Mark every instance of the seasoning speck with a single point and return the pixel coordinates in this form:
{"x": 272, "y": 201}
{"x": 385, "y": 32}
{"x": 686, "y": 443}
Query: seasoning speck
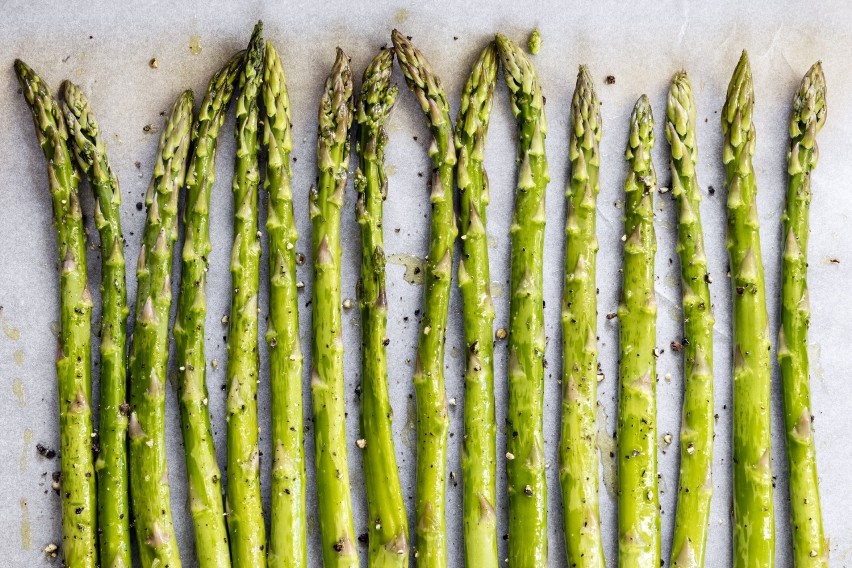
{"x": 610, "y": 79}
{"x": 153, "y": 64}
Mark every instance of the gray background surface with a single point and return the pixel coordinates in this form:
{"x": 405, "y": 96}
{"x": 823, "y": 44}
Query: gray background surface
{"x": 106, "y": 50}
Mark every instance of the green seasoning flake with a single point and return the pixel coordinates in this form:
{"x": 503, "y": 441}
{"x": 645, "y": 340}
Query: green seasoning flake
{"x": 534, "y": 43}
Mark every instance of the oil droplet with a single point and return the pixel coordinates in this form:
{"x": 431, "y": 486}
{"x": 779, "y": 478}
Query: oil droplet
{"x": 401, "y": 16}
{"x": 11, "y": 332}
{"x": 18, "y": 389}
{"x": 55, "y": 328}
{"x": 390, "y": 170}
{"x": 25, "y": 456}
{"x": 414, "y": 266}
{"x": 497, "y": 289}
{"x": 195, "y": 44}
{"x": 492, "y": 241}
{"x": 19, "y": 357}
{"x": 455, "y": 352}
{"x": 607, "y": 449}
{"x": 409, "y": 430}
{"x": 26, "y": 528}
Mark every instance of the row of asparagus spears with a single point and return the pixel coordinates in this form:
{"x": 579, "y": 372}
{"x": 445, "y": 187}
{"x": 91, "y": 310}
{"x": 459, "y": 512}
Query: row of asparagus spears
{"x": 128, "y": 478}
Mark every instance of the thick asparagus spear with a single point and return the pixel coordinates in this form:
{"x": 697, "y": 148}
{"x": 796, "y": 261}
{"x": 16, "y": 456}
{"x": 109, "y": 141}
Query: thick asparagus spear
{"x": 245, "y": 509}
{"x": 111, "y": 465}
{"x": 332, "y": 468}
{"x": 525, "y": 438}
{"x": 202, "y": 469}
{"x": 73, "y": 371}
{"x": 388, "y": 523}
{"x": 638, "y": 510}
{"x": 696, "y": 437}
{"x": 809, "y": 544}
{"x": 754, "y": 519}
{"x": 432, "y": 419}
{"x": 479, "y": 448}
{"x": 578, "y": 455}
{"x": 287, "y": 536}
{"x": 149, "y": 351}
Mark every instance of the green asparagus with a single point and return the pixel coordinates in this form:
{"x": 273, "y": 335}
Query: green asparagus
{"x": 696, "y": 437}
{"x": 638, "y": 509}
{"x": 387, "y": 528}
{"x": 432, "y": 418}
{"x": 202, "y": 469}
{"x": 287, "y": 536}
{"x": 479, "y": 448}
{"x": 578, "y": 456}
{"x": 527, "y": 486}
{"x": 809, "y": 545}
{"x": 111, "y": 465}
{"x": 245, "y": 509}
{"x": 74, "y": 374}
{"x": 149, "y": 351}
{"x": 327, "y": 391}
{"x": 754, "y": 519}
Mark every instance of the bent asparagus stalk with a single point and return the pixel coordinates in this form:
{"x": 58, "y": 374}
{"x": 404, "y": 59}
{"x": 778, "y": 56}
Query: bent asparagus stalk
{"x": 287, "y": 533}
{"x": 479, "y": 446}
{"x": 245, "y": 509}
{"x": 111, "y": 465}
{"x": 73, "y": 371}
{"x": 697, "y": 422}
{"x": 809, "y": 545}
{"x": 578, "y": 455}
{"x": 332, "y": 467}
{"x": 754, "y": 519}
{"x": 638, "y": 508}
{"x": 149, "y": 350}
{"x": 527, "y": 486}
{"x": 432, "y": 419}
{"x": 202, "y": 469}
{"x": 387, "y": 527}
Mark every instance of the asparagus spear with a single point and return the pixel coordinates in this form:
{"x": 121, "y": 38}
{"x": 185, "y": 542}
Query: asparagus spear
{"x": 578, "y": 453}
{"x": 809, "y": 544}
{"x": 479, "y": 448}
{"x": 79, "y": 521}
{"x": 245, "y": 509}
{"x": 525, "y": 440}
{"x": 638, "y": 509}
{"x": 202, "y": 469}
{"x": 754, "y": 519}
{"x": 111, "y": 465}
{"x": 696, "y": 438}
{"x": 287, "y": 536}
{"x": 149, "y": 350}
{"x": 388, "y": 523}
{"x": 432, "y": 419}
{"x": 332, "y": 469}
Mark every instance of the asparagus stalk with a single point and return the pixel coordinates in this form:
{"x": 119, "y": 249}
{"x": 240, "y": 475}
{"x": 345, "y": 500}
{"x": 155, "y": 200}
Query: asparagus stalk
{"x": 525, "y": 438}
{"x": 578, "y": 453}
{"x": 696, "y": 437}
{"x": 754, "y": 519}
{"x": 809, "y": 545}
{"x": 287, "y": 536}
{"x": 638, "y": 509}
{"x": 111, "y": 464}
{"x": 332, "y": 468}
{"x": 432, "y": 419}
{"x": 245, "y": 509}
{"x": 149, "y": 350}
{"x": 479, "y": 448}
{"x": 388, "y": 523}
{"x": 202, "y": 469}
{"x": 79, "y": 515}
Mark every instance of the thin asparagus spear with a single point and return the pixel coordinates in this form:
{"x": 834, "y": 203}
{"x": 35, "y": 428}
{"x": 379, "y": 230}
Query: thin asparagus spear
{"x": 525, "y": 437}
{"x": 638, "y": 508}
{"x": 202, "y": 469}
{"x": 696, "y": 437}
{"x": 111, "y": 465}
{"x": 332, "y": 468}
{"x": 245, "y": 509}
{"x": 73, "y": 371}
{"x": 809, "y": 545}
{"x": 287, "y": 533}
{"x": 387, "y": 528}
{"x": 432, "y": 419}
{"x": 479, "y": 448}
{"x": 578, "y": 452}
{"x": 754, "y": 519}
{"x": 149, "y": 350}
